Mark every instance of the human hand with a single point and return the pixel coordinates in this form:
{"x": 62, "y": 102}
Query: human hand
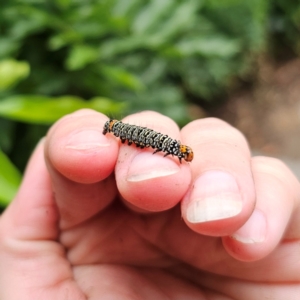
{"x": 109, "y": 221}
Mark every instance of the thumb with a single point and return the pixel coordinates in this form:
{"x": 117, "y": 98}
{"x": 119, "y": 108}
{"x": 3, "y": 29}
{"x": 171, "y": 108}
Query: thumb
{"x": 30, "y": 259}
{"x": 32, "y": 215}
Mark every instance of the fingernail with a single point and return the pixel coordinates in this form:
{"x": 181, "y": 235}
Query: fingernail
{"x": 146, "y": 166}
{"x": 254, "y": 230}
{"x": 215, "y": 196}
{"x": 87, "y": 139}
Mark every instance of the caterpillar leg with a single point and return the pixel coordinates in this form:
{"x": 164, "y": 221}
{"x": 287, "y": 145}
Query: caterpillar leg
{"x": 173, "y": 155}
{"x": 157, "y": 150}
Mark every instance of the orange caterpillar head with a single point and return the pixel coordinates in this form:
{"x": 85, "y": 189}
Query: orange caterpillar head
{"x": 187, "y": 153}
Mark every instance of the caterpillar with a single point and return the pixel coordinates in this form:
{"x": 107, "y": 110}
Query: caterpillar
{"x": 144, "y": 137}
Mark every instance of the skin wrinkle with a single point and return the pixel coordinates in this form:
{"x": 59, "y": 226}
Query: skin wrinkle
{"x": 80, "y": 230}
{"x": 192, "y": 275}
{"x": 161, "y": 236}
{"x": 93, "y": 194}
{"x": 114, "y": 231}
{"x": 231, "y": 262}
{"x": 171, "y": 260}
{"x": 164, "y": 278}
{"x": 152, "y": 245}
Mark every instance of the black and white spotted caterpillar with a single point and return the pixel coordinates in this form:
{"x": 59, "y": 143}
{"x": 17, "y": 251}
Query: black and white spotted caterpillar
{"x": 144, "y": 137}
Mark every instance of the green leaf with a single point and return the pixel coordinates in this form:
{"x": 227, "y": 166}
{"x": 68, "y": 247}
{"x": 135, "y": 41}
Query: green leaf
{"x": 80, "y": 56}
{"x": 12, "y": 71}
{"x": 64, "y": 38}
{"x": 181, "y": 20}
{"x": 115, "y": 46}
{"x": 10, "y": 179}
{"x": 46, "y": 110}
{"x": 150, "y": 15}
{"x": 63, "y": 4}
{"x": 121, "y": 76}
{"x": 209, "y": 46}
{"x": 7, "y": 46}
{"x": 124, "y": 8}
{"x": 28, "y": 19}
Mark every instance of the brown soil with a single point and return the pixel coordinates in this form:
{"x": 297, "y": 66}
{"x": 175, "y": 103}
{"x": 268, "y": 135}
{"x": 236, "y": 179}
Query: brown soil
{"x": 269, "y": 114}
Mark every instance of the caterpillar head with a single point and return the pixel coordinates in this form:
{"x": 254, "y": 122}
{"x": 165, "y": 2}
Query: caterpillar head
{"x": 187, "y": 153}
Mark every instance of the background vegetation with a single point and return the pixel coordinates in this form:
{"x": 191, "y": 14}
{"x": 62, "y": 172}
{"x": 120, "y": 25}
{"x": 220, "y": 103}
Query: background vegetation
{"x": 120, "y": 56}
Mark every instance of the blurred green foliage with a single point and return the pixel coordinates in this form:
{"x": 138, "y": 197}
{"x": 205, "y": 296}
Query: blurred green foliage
{"x": 285, "y": 25}
{"x": 157, "y": 54}
{"x": 46, "y": 110}
{"x": 11, "y": 72}
{"x": 9, "y": 180}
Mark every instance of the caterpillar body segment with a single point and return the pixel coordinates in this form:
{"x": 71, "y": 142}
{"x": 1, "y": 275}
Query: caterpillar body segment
{"x": 144, "y": 137}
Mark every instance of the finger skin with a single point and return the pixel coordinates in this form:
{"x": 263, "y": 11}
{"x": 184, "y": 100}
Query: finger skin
{"x": 222, "y": 195}
{"x": 29, "y": 209}
{"x": 149, "y": 284}
{"x": 32, "y": 263}
{"x": 77, "y": 148}
{"x": 28, "y": 247}
{"x": 276, "y": 215}
{"x": 151, "y": 182}
{"x": 80, "y": 160}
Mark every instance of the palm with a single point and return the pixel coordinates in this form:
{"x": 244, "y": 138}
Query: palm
{"x": 163, "y": 256}
{"x": 124, "y": 255}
